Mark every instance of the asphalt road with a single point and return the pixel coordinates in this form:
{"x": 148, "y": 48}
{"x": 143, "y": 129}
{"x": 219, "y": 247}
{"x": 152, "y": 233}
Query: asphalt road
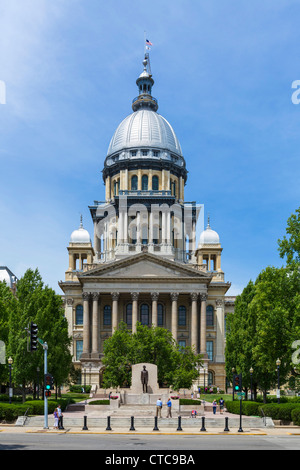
{"x": 145, "y": 445}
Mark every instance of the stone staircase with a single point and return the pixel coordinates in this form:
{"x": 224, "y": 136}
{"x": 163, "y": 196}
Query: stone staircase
{"x": 146, "y": 423}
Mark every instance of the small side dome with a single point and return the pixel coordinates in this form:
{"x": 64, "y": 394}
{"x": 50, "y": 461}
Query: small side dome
{"x": 81, "y": 235}
{"x": 7, "y": 276}
{"x": 209, "y": 237}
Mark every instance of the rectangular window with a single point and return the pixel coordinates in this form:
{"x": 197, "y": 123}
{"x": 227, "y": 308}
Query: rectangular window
{"x": 181, "y": 344}
{"x": 210, "y": 349}
{"x": 79, "y": 348}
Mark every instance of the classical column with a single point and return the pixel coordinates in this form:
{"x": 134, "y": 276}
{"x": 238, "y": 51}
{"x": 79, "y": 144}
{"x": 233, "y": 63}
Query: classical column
{"x": 203, "y": 325}
{"x": 194, "y": 298}
{"x": 154, "y": 297}
{"x": 174, "y": 319}
{"x": 134, "y": 296}
{"x": 220, "y": 331}
{"x": 95, "y": 325}
{"x": 86, "y": 325}
{"x": 115, "y": 298}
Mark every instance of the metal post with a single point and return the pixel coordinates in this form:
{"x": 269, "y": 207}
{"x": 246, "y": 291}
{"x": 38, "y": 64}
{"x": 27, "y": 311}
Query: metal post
{"x": 226, "y": 425}
{"x": 203, "y": 424}
{"x": 155, "y": 424}
{"x": 179, "y": 428}
{"x": 240, "y": 428}
{"x": 108, "y": 428}
{"x": 85, "y": 428}
{"x": 132, "y": 424}
{"x": 45, "y": 347}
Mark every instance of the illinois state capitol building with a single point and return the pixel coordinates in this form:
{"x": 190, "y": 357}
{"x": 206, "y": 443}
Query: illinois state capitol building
{"x": 145, "y": 264}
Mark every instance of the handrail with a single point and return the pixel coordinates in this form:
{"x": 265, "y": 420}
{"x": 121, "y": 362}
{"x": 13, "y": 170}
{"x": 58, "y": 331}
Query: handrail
{"x": 264, "y": 416}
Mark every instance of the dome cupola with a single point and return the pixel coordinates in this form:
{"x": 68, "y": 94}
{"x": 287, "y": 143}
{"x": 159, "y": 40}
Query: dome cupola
{"x": 209, "y": 236}
{"x": 81, "y": 235}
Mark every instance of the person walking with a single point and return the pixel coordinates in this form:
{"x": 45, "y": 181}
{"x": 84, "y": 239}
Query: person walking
{"x": 221, "y": 403}
{"x": 158, "y": 408}
{"x": 60, "y": 416}
{"x": 169, "y": 408}
{"x": 55, "y": 414}
{"x": 214, "y": 405}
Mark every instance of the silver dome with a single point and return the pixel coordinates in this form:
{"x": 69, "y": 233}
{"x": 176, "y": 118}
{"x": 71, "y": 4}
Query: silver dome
{"x": 144, "y": 128}
{"x": 209, "y": 237}
{"x": 80, "y": 235}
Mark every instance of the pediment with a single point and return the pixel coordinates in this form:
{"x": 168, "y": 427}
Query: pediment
{"x": 144, "y": 266}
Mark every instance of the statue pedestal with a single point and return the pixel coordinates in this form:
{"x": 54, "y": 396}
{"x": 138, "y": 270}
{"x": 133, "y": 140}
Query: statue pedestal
{"x": 146, "y": 398}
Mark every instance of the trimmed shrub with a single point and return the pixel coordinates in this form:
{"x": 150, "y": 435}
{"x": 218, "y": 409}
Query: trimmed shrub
{"x": 249, "y": 408}
{"x": 9, "y": 413}
{"x": 282, "y": 411}
{"x": 295, "y": 414}
{"x": 189, "y": 401}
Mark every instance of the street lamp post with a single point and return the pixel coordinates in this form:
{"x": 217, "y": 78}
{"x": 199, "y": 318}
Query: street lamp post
{"x": 10, "y": 361}
{"x": 251, "y": 372}
{"x": 278, "y": 362}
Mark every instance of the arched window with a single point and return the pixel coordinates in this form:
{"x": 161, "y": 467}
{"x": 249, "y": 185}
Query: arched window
{"x": 144, "y": 314}
{"x": 134, "y": 183}
{"x": 107, "y": 315}
{"x": 160, "y": 315}
{"x": 144, "y": 183}
{"x": 209, "y": 315}
{"x": 182, "y": 315}
{"x": 155, "y": 183}
{"x": 129, "y": 314}
{"x": 79, "y": 315}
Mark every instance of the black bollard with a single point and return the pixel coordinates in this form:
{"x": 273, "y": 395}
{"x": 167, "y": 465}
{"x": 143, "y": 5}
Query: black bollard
{"x": 203, "y": 424}
{"x": 155, "y": 424}
{"x": 179, "y": 428}
{"x": 85, "y": 428}
{"x": 108, "y": 428}
{"x": 226, "y": 425}
{"x": 132, "y": 424}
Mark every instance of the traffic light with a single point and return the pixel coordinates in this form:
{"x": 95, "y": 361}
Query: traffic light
{"x": 33, "y": 336}
{"x": 49, "y": 384}
{"x": 237, "y": 383}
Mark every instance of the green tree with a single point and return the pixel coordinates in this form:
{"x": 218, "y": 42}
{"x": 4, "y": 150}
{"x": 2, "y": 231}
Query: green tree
{"x": 7, "y": 305}
{"x": 277, "y": 309}
{"x": 289, "y": 246}
{"x": 176, "y": 367}
{"x": 241, "y": 337}
{"x": 40, "y": 304}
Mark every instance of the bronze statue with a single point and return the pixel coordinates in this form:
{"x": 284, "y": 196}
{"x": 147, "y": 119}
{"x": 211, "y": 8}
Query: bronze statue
{"x": 144, "y": 379}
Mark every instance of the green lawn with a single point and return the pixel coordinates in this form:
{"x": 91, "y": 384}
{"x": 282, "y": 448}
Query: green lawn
{"x": 76, "y": 396}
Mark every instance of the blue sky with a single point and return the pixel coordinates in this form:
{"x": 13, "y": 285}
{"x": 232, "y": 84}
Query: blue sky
{"x": 223, "y": 73}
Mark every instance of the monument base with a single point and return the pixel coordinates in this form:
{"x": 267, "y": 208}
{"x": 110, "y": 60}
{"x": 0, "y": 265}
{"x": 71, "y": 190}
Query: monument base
{"x": 145, "y": 398}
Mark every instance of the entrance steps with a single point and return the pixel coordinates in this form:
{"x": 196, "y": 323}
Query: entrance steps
{"x": 146, "y": 423}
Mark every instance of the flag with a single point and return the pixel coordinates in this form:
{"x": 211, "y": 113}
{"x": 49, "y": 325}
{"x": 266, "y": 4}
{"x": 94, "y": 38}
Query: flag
{"x": 148, "y": 42}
